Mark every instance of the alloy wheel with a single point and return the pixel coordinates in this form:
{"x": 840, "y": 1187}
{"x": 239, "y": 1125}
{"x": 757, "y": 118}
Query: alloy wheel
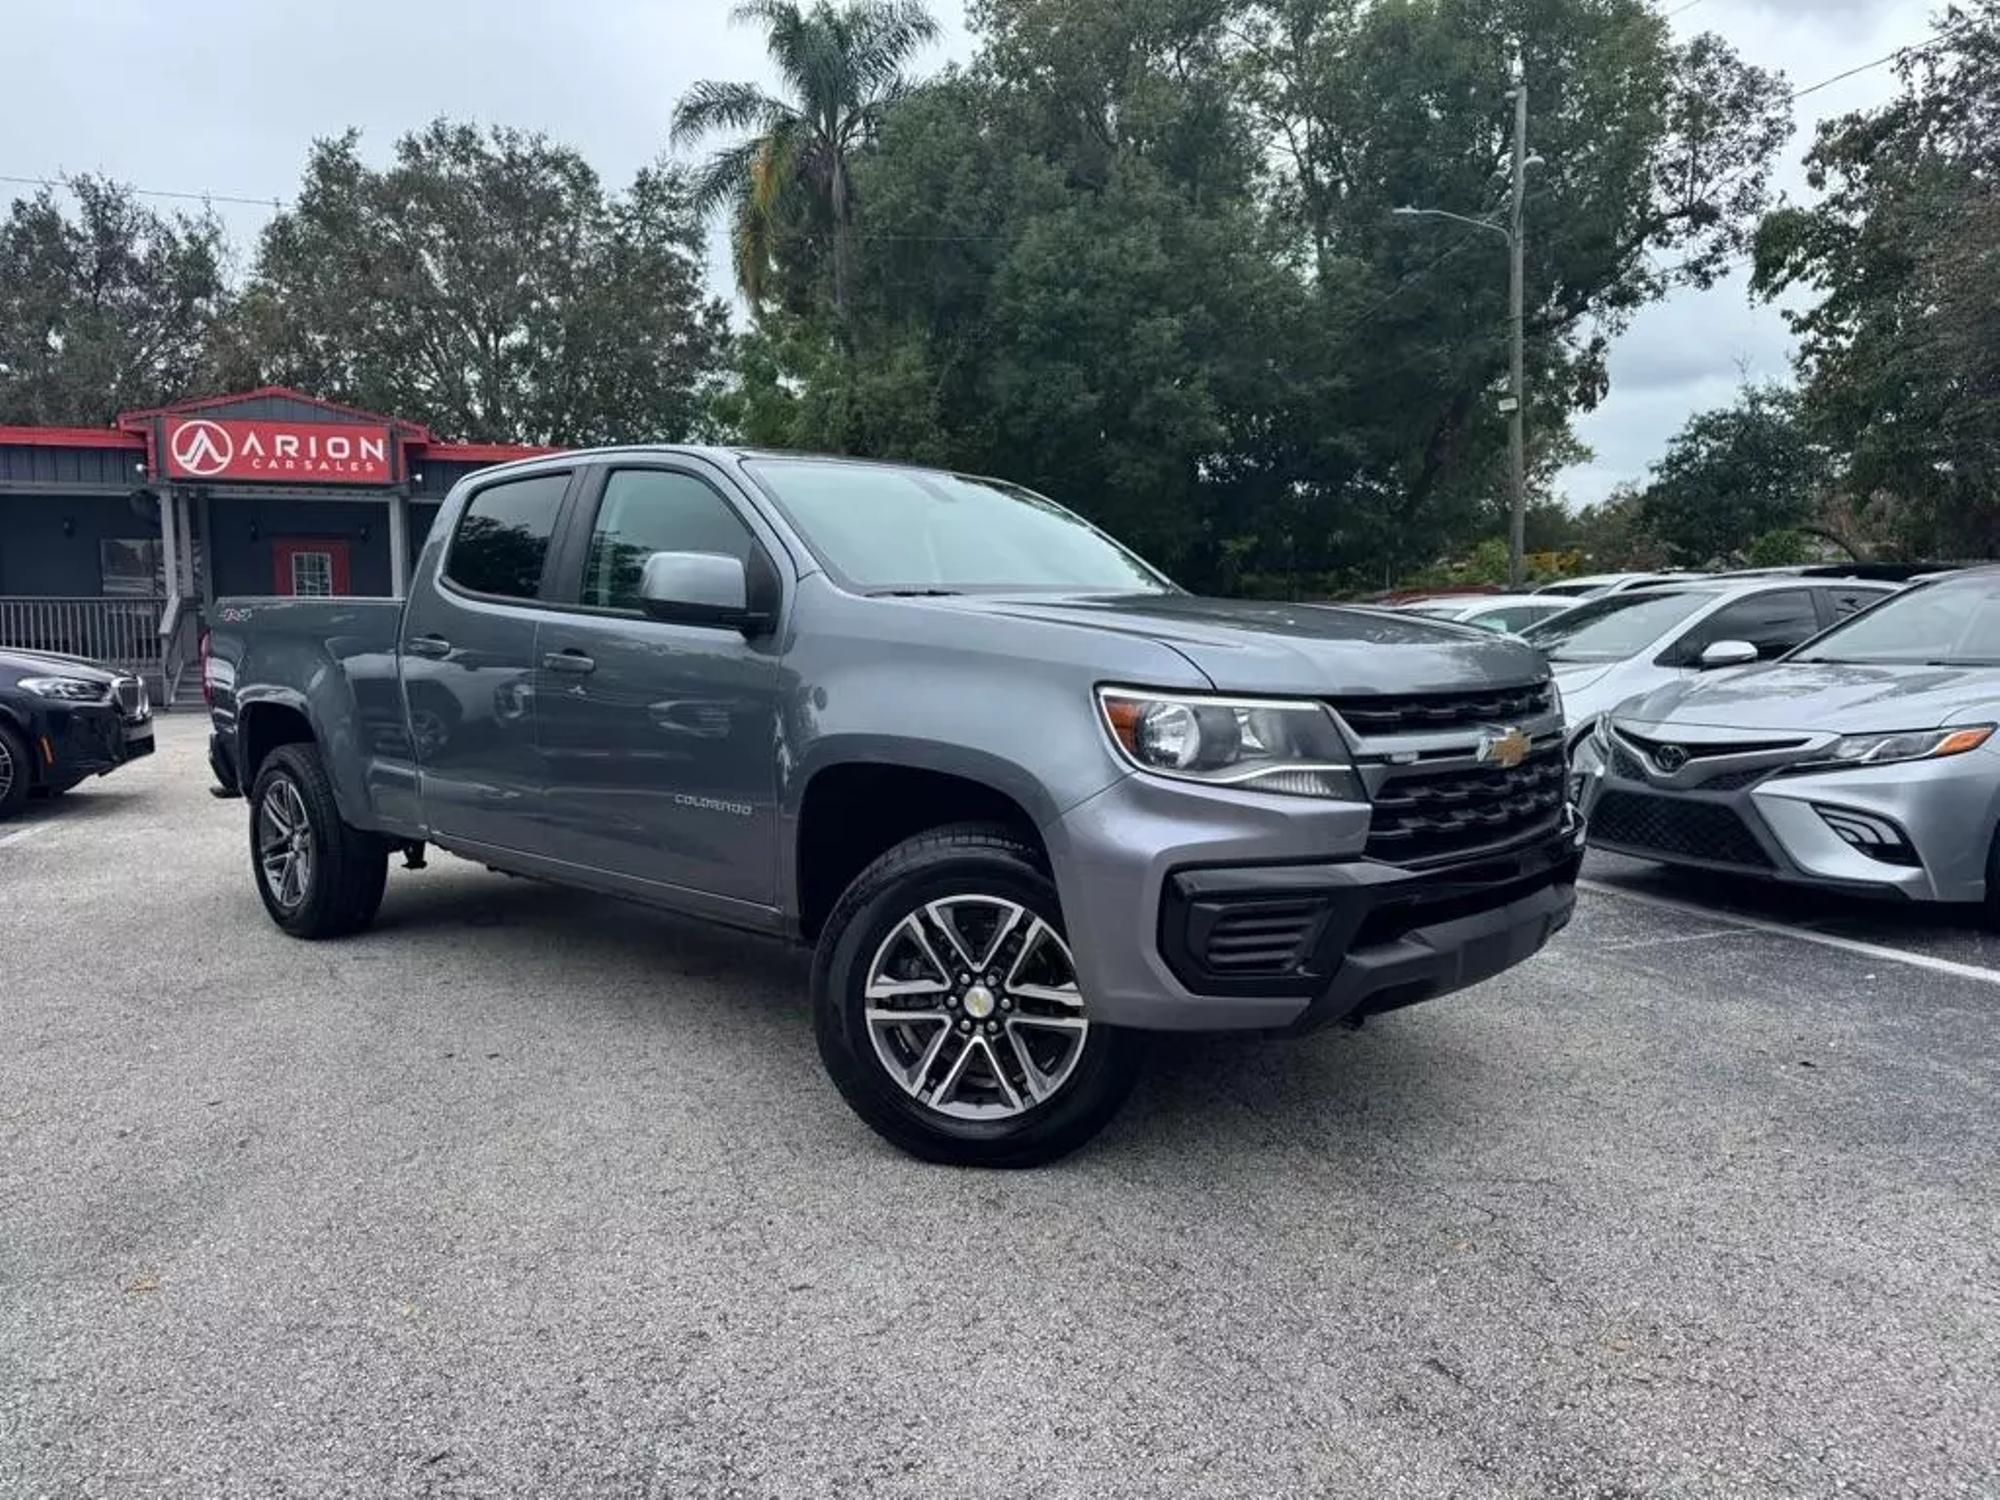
{"x": 7, "y": 769}
{"x": 285, "y": 844}
{"x": 972, "y": 1004}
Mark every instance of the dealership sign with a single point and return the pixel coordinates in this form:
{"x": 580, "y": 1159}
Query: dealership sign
{"x": 277, "y": 452}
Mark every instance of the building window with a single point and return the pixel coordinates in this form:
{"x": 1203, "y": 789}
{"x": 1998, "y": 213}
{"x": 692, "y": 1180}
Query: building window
{"x": 312, "y": 575}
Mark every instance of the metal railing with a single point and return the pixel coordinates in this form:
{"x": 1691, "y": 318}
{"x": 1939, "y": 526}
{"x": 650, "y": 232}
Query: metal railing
{"x": 180, "y": 643}
{"x": 129, "y": 634}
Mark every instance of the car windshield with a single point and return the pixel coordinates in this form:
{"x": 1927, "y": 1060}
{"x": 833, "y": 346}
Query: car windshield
{"x": 892, "y": 530}
{"x": 1613, "y": 627}
{"x": 1955, "y": 623}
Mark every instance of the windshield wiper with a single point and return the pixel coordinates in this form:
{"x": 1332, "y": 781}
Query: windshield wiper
{"x": 913, "y": 593}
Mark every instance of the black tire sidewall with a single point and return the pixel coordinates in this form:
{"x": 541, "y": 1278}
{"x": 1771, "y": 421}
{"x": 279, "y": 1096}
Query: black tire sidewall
{"x": 24, "y": 769}
{"x": 926, "y": 869}
{"x": 348, "y": 867}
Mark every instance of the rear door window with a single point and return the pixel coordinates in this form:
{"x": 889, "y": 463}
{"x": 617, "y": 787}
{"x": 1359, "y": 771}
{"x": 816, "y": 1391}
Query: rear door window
{"x": 502, "y": 542}
{"x": 1844, "y": 601}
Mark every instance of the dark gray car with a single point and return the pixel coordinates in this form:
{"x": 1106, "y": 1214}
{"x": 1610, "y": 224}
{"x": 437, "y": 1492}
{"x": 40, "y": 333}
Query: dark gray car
{"x": 1026, "y": 797}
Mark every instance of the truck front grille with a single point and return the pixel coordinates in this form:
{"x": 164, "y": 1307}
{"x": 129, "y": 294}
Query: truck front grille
{"x": 1425, "y": 815}
{"x": 1683, "y": 826}
{"x": 1418, "y": 713}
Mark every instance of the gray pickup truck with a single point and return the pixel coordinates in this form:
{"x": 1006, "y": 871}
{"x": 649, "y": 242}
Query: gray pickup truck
{"x": 1028, "y": 799}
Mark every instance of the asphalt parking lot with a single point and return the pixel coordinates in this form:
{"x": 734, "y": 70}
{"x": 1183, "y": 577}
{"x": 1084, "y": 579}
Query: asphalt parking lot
{"x": 527, "y": 1192}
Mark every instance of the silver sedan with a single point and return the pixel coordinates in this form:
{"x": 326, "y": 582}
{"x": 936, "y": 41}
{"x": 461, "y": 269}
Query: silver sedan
{"x": 1866, "y": 760}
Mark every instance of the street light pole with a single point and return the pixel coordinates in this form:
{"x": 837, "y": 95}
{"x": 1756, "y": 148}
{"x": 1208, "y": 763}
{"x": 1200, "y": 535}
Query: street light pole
{"x": 1517, "y": 456}
{"x": 1513, "y": 231}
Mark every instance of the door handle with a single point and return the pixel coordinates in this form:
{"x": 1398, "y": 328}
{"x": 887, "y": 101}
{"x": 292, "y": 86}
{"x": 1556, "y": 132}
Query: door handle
{"x": 427, "y": 645}
{"x": 571, "y": 660}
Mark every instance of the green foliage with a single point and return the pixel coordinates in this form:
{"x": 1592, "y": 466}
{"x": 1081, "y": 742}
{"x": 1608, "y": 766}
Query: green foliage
{"x": 1899, "y": 354}
{"x": 486, "y": 284}
{"x": 1140, "y": 256}
{"x": 793, "y": 176}
{"x": 1778, "y": 549}
{"x": 1732, "y": 475}
{"x": 105, "y": 311}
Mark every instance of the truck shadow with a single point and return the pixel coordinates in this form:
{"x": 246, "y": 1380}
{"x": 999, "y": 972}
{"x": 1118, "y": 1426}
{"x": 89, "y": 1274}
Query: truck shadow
{"x": 702, "y": 989}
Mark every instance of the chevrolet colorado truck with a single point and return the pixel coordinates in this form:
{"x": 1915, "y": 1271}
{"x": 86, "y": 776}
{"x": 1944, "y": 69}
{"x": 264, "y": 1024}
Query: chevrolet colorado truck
{"x": 1027, "y": 799}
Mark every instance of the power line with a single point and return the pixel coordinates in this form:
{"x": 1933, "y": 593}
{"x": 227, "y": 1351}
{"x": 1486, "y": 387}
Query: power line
{"x": 68, "y": 184}
{"x": 1915, "y": 49}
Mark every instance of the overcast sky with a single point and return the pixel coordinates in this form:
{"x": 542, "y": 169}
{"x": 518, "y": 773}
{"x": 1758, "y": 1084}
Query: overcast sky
{"x": 222, "y": 96}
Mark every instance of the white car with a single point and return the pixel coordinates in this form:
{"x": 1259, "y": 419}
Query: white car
{"x": 1509, "y": 614}
{"x": 1593, "y": 585}
{"x": 1616, "y": 646}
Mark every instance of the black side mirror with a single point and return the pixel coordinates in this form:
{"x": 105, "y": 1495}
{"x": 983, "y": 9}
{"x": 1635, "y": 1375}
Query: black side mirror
{"x": 700, "y": 588}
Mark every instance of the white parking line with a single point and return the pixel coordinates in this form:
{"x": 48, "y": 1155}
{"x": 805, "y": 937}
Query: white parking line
{"x": 1804, "y": 935}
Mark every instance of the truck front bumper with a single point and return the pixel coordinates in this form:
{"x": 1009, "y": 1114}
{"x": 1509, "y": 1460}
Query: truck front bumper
{"x": 1213, "y": 910}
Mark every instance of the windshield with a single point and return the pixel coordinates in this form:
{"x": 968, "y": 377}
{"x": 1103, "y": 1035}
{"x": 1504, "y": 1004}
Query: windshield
{"x": 1953, "y": 624}
{"x": 1613, "y": 627}
{"x": 894, "y": 530}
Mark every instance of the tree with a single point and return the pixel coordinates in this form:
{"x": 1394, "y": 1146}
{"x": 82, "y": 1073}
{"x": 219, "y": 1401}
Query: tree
{"x": 1141, "y": 255}
{"x": 1899, "y": 353}
{"x": 843, "y": 70}
{"x": 106, "y": 311}
{"x": 1733, "y": 474}
{"x": 485, "y": 284}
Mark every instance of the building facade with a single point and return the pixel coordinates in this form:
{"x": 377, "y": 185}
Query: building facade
{"x": 114, "y": 541}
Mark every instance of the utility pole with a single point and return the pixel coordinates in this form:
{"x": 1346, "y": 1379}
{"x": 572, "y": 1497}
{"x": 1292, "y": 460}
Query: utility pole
{"x": 1513, "y": 231}
{"x": 1517, "y": 443}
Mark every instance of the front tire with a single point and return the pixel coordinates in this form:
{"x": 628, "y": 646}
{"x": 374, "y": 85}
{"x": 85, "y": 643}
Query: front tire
{"x": 947, "y": 1011}
{"x": 14, "y": 771}
{"x": 318, "y": 877}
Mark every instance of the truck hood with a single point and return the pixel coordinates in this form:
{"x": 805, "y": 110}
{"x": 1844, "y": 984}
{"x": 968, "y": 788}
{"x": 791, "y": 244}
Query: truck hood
{"x": 1258, "y": 646}
{"x": 1827, "y": 696}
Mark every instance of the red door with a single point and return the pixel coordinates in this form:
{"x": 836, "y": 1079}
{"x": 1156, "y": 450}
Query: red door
{"x": 309, "y": 567}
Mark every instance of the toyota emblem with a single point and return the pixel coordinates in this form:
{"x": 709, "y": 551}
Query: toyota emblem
{"x": 201, "y": 447}
{"x": 1670, "y": 758}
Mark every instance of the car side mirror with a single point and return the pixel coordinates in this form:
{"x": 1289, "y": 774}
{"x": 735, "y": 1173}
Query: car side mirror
{"x": 1726, "y": 654}
{"x": 700, "y": 588}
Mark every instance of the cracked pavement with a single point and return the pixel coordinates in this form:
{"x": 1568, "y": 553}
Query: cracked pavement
{"x": 528, "y": 1191}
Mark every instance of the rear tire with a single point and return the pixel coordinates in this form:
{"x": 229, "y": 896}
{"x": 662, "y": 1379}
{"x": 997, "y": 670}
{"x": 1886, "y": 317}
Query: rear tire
{"x": 318, "y": 877}
{"x": 1000, "y": 1065}
{"x": 15, "y": 768}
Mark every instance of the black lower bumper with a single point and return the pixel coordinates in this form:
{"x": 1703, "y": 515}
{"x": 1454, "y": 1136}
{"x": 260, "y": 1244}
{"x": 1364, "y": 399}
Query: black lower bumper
{"x": 1356, "y": 938}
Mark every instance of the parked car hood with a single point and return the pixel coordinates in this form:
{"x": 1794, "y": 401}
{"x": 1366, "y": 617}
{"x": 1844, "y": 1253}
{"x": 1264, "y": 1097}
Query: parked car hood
{"x": 1827, "y": 696}
{"x": 48, "y": 664}
{"x": 1259, "y": 646}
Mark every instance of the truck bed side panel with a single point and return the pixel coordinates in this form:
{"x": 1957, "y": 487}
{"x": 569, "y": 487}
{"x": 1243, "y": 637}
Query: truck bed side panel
{"x": 334, "y": 661}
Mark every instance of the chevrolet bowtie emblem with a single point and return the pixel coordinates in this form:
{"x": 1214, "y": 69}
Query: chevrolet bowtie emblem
{"x": 1504, "y": 748}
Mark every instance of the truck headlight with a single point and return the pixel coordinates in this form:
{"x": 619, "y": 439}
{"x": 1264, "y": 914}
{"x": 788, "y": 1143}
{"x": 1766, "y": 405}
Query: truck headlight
{"x": 1264, "y": 745}
{"x": 69, "y": 689}
{"x": 1901, "y": 744}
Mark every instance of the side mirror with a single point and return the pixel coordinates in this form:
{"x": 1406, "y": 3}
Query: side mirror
{"x": 1727, "y": 654}
{"x": 699, "y": 588}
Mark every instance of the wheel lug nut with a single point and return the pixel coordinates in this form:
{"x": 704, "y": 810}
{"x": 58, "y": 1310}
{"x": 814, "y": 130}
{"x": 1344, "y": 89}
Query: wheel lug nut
{"x": 993, "y": 1028}
{"x": 964, "y": 1025}
{"x": 965, "y": 979}
{"x": 1005, "y": 1003}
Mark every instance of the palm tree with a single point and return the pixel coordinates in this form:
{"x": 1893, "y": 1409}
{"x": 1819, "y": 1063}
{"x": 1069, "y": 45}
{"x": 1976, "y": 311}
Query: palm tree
{"x": 843, "y": 70}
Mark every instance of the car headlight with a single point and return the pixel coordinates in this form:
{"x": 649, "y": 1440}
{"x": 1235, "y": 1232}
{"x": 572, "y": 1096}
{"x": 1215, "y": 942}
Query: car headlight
{"x": 69, "y": 689}
{"x": 1902, "y": 744}
{"x": 1264, "y": 745}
